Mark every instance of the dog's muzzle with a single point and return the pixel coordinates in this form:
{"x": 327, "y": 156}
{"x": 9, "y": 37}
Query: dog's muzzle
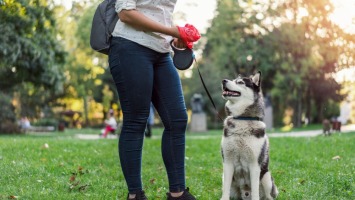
{"x": 227, "y": 92}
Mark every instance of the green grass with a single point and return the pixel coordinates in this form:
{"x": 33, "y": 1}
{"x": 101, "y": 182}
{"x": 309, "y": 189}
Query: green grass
{"x": 302, "y": 168}
{"x": 308, "y": 127}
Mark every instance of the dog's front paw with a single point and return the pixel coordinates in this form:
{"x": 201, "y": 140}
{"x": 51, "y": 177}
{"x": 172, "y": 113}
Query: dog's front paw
{"x": 225, "y": 198}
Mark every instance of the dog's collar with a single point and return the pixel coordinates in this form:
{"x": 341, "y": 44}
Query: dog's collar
{"x": 248, "y": 118}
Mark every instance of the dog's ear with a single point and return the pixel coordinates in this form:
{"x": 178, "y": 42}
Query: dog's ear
{"x": 257, "y": 78}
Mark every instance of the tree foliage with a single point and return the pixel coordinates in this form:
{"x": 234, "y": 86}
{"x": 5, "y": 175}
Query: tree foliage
{"x": 31, "y": 58}
{"x": 88, "y": 76}
{"x": 29, "y": 50}
{"x": 308, "y": 55}
{"x": 295, "y": 45}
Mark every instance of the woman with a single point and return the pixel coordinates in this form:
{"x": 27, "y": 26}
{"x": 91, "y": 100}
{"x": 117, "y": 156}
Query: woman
{"x": 143, "y": 71}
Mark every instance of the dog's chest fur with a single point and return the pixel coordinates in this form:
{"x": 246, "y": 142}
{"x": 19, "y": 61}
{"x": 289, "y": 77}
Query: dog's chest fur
{"x": 242, "y": 141}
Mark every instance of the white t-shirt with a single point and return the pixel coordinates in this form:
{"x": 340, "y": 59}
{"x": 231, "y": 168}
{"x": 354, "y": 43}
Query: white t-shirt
{"x": 158, "y": 10}
{"x": 111, "y": 122}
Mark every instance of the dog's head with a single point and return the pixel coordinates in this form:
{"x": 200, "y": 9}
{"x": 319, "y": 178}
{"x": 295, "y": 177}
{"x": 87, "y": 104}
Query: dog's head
{"x": 242, "y": 93}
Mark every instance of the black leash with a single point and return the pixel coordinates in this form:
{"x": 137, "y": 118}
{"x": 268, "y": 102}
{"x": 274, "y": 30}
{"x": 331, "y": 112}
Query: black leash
{"x": 248, "y": 118}
{"x": 183, "y": 59}
{"x": 208, "y": 93}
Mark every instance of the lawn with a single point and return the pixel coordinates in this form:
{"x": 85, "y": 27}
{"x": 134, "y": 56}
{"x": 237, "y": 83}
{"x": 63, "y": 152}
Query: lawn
{"x": 59, "y": 166}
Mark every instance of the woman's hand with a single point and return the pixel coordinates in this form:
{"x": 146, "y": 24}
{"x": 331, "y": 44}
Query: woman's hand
{"x": 189, "y": 34}
{"x": 179, "y": 43}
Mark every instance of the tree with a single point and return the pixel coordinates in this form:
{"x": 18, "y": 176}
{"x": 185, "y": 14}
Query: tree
{"x": 295, "y": 45}
{"x": 29, "y": 51}
{"x": 30, "y": 56}
{"x": 237, "y": 43}
{"x": 309, "y": 52}
{"x": 87, "y": 71}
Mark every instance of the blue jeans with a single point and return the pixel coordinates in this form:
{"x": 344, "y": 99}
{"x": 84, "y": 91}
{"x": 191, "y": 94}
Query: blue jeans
{"x": 142, "y": 76}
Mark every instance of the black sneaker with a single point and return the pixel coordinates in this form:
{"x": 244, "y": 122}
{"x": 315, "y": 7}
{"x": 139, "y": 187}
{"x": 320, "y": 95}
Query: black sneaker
{"x": 185, "y": 196}
{"x": 139, "y": 196}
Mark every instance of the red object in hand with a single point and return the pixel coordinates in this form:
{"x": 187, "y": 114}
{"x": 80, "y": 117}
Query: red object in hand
{"x": 189, "y": 34}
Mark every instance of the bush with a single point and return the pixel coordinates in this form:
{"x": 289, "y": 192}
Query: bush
{"x": 9, "y": 127}
{"x": 46, "y": 122}
{"x": 7, "y": 110}
{"x": 7, "y": 115}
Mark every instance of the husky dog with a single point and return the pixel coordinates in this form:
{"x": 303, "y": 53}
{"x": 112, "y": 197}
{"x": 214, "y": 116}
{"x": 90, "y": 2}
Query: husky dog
{"x": 245, "y": 146}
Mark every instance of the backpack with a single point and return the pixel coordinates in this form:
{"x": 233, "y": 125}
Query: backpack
{"x": 103, "y": 23}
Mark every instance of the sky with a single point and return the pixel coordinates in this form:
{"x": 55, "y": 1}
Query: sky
{"x": 344, "y": 14}
{"x": 197, "y": 12}
{"x": 200, "y": 12}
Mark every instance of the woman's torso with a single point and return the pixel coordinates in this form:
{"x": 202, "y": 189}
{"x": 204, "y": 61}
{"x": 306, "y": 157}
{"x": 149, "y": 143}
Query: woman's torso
{"x": 158, "y": 10}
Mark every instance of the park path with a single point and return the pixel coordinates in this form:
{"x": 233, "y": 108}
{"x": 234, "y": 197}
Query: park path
{"x": 312, "y": 133}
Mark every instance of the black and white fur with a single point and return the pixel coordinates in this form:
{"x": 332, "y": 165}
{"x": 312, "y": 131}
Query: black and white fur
{"x": 245, "y": 146}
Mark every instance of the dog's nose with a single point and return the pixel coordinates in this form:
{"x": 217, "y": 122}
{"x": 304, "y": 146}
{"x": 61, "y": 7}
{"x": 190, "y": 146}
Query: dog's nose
{"x": 224, "y": 81}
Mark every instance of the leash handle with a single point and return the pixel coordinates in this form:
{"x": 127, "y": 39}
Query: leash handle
{"x": 208, "y": 93}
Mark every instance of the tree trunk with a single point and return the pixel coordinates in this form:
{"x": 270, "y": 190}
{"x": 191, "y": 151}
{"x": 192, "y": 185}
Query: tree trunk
{"x": 86, "y": 111}
{"x": 308, "y": 106}
{"x": 299, "y": 108}
{"x": 320, "y": 112}
{"x": 297, "y": 114}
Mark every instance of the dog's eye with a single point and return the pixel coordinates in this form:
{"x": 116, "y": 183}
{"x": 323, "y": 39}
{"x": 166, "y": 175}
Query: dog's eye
{"x": 239, "y": 82}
